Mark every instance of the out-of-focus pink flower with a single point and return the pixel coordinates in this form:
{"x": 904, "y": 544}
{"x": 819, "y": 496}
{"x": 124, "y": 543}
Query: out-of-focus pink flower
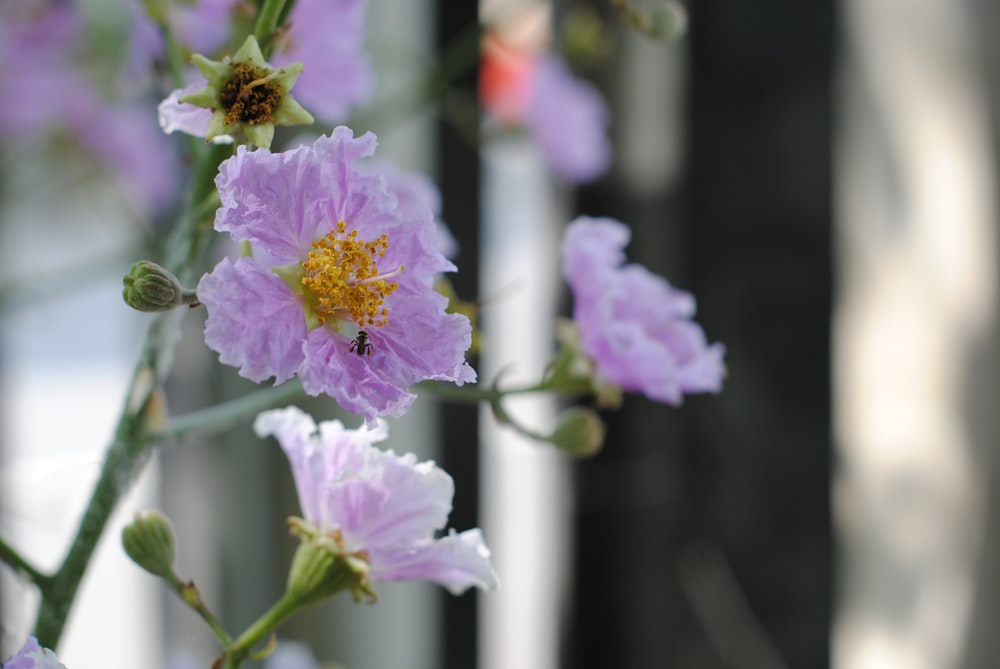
{"x": 49, "y": 94}
{"x": 565, "y": 116}
{"x": 635, "y": 327}
{"x": 328, "y": 37}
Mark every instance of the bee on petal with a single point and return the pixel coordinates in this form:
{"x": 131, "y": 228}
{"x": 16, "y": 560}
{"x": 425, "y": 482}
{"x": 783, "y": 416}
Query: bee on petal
{"x": 362, "y": 344}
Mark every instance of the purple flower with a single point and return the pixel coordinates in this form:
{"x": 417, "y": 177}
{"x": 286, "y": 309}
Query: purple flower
{"x": 376, "y": 504}
{"x": 340, "y": 289}
{"x": 35, "y": 41}
{"x": 568, "y": 119}
{"x": 328, "y": 37}
{"x": 633, "y": 325}
{"x": 33, "y": 656}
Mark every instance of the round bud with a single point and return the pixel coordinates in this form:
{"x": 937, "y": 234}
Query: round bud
{"x": 149, "y": 287}
{"x": 580, "y": 432}
{"x": 149, "y": 541}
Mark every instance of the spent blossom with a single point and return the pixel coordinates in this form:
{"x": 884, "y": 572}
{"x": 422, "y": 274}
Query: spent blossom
{"x": 339, "y": 290}
{"x": 245, "y": 96}
{"x": 33, "y": 656}
{"x": 633, "y": 325}
{"x": 323, "y": 43}
{"x": 376, "y": 506}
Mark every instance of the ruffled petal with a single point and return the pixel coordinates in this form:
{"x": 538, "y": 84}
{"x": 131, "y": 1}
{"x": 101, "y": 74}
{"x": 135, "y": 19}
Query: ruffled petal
{"x": 633, "y": 324}
{"x": 255, "y": 322}
{"x": 457, "y": 561}
{"x": 285, "y": 201}
{"x": 591, "y": 248}
{"x": 366, "y": 385}
{"x": 419, "y": 503}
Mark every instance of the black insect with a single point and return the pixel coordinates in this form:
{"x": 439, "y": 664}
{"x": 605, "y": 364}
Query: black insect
{"x": 362, "y": 344}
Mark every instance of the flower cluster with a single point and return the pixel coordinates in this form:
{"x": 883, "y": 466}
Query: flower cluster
{"x": 338, "y": 283}
{"x": 340, "y": 289}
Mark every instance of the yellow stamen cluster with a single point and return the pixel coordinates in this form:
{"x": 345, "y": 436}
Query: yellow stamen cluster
{"x": 342, "y": 277}
{"x": 250, "y": 96}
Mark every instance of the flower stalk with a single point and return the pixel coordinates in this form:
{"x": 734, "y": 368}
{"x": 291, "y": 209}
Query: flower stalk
{"x": 131, "y": 447}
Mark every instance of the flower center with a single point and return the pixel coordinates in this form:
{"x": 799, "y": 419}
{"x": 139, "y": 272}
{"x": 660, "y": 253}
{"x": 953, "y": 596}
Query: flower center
{"x": 342, "y": 278}
{"x": 250, "y": 96}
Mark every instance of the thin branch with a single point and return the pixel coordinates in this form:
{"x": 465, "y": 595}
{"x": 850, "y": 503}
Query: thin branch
{"x": 20, "y": 564}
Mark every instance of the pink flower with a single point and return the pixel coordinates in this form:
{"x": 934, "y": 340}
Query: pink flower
{"x": 635, "y": 327}
{"x": 340, "y": 289}
{"x": 376, "y": 504}
{"x": 566, "y": 116}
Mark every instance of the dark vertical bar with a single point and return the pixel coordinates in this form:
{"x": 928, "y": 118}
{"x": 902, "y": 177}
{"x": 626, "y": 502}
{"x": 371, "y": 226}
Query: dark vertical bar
{"x": 458, "y": 177}
{"x": 736, "y": 484}
{"x": 760, "y": 215}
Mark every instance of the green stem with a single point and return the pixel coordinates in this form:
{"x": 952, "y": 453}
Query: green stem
{"x": 277, "y": 614}
{"x": 131, "y": 447}
{"x": 177, "y": 58}
{"x": 225, "y": 415}
{"x": 189, "y": 594}
{"x": 25, "y": 569}
{"x": 267, "y": 22}
{"x": 472, "y": 394}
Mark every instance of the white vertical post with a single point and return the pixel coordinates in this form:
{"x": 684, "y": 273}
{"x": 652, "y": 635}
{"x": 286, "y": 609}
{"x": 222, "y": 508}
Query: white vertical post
{"x": 916, "y": 232}
{"x": 525, "y": 496}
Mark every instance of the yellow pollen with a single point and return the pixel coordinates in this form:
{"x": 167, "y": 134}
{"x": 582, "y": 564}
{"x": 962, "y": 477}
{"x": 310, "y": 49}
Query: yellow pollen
{"x": 342, "y": 277}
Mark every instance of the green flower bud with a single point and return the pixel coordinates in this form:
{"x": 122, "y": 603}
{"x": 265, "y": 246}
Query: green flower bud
{"x": 580, "y": 432}
{"x": 149, "y": 287}
{"x": 667, "y": 23}
{"x": 247, "y": 96}
{"x": 149, "y": 541}
{"x": 587, "y": 39}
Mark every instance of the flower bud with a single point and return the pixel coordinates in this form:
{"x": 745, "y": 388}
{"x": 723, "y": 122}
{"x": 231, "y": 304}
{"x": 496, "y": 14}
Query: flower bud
{"x": 149, "y": 541}
{"x": 149, "y": 287}
{"x": 580, "y": 432}
{"x": 667, "y": 23}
